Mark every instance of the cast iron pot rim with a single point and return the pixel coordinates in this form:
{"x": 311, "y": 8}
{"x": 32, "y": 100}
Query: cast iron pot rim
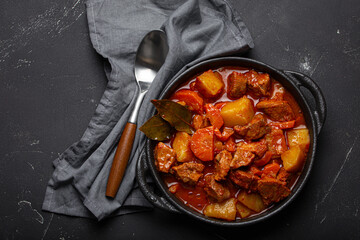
{"x": 279, "y": 206}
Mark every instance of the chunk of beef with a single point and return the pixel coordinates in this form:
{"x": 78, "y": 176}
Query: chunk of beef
{"x": 222, "y": 165}
{"x": 246, "y": 180}
{"x": 283, "y": 175}
{"x": 276, "y": 142}
{"x": 278, "y": 92}
{"x": 189, "y": 172}
{"x": 236, "y": 85}
{"x": 258, "y": 82}
{"x": 164, "y": 157}
{"x": 242, "y": 158}
{"x": 258, "y": 148}
{"x": 254, "y": 129}
{"x": 247, "y": 152}
{"x": 272, "y": 190}
{"x": 277, "y": 110}
{"x": 215, "y": 189}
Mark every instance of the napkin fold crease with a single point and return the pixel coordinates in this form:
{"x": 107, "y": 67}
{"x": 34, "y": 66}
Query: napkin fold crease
{"x": 196, "y": 30}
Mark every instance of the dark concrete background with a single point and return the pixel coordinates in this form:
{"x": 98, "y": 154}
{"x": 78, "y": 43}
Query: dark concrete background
{"x": 51, "y": 80}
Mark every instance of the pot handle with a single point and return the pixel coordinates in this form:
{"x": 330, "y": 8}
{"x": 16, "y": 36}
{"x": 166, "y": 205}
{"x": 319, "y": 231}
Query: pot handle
{"x": 141, "y": 173}
{"x": 320, "y": 108}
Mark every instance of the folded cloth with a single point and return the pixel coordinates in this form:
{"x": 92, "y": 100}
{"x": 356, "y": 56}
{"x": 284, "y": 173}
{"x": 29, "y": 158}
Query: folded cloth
{"x": 196, "y": 30}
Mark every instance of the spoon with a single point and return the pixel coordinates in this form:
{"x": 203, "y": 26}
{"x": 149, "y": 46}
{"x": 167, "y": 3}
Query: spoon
{"x": 150, "y": 56}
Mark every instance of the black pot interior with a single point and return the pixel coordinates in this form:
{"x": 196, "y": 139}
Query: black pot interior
{"x": 275, "y": 74}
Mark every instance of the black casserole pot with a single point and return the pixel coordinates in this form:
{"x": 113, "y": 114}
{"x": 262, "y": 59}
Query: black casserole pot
{"x": 292, "y": 81}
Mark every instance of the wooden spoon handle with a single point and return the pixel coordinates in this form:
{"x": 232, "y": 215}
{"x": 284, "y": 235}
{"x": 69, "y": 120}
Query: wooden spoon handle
{"x": 120, "y": 160}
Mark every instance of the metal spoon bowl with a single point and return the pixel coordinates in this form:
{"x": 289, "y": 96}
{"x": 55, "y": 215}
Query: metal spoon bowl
{"x": 150, "y": 56}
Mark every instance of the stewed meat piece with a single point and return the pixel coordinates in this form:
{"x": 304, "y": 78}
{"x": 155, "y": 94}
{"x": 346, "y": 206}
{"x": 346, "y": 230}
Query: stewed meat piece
{"x": 189, "y": 172}
{"x": 164, "y": 157}
{"x": 246, "y": 180}
{"x": 247, "y": 152}
{"x": 272, "y": 190}
{"x": 276, "y": 110}
{"x": 276, "y": 142}
{"x": 258, "y": 82}
{"x": 283, "y": 175}
{"x": 258, "y": 148}
{"x": 236, "y": 85}
{"x": 215, "y": 189}
{"x": 222, "y": 165}
{"x": 242, "y": 158}
{"x": 255, "y": 129}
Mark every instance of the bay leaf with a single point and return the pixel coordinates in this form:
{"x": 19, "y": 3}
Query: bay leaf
{"x": 157, "y": 128}
{"x": 177, "y": 115}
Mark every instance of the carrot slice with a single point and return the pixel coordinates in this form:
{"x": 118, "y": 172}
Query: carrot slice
{"x": 174, "y": 188}
{"x": 271, "y": 169}
{"x": 264, "y": 160}
{"x": 202, "y": 143}
{"x": 220, "y": 105}
{"x": 283, "y": 125}
{"x": 255, "y": 171}
{"x": 191, "y": 98}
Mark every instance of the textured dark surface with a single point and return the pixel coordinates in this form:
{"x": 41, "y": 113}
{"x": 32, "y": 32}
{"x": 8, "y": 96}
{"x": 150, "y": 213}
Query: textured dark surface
{"x": 52, "y": 79}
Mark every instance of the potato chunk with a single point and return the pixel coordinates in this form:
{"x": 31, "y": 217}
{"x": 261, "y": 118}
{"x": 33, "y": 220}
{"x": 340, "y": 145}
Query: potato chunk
{"x": 239, "y": 112}
{"x": 299, "y": 137}
{"x": 242, "y": 210}
{"x": 209, "y": 84}
{"x": 293, "y": 159}
{"x": 224, "y": 210}
{"x": 252, "y": 201}
{"x": 181, "y": 145}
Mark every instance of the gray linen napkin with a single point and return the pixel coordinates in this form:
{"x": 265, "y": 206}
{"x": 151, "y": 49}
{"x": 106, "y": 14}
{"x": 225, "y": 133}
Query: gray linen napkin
{"x": 196, "y": 30}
